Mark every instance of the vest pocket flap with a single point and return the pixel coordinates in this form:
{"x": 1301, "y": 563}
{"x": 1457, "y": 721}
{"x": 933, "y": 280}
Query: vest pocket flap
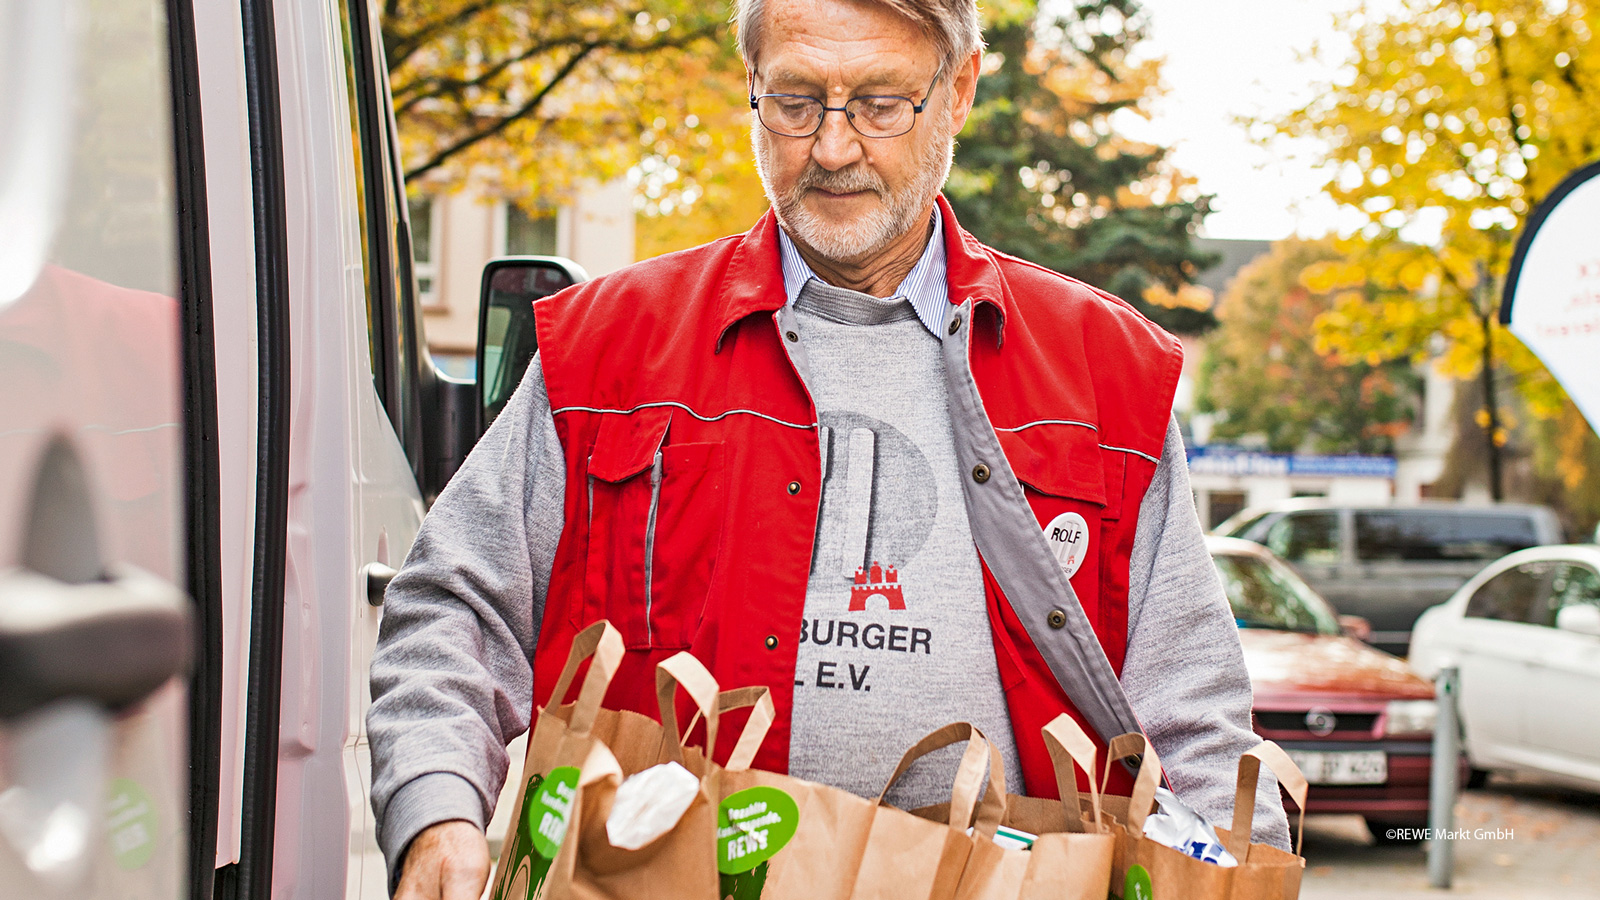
{"x": 626, "y": 445}
{"x": 1059, "y": 460}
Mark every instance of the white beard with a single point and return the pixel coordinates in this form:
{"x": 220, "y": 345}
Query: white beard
{"x": 869, "y": 233}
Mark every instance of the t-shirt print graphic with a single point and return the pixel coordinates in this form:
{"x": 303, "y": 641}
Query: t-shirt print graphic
{"x": 894, "y": 638}
{"x": 879, "y": 501}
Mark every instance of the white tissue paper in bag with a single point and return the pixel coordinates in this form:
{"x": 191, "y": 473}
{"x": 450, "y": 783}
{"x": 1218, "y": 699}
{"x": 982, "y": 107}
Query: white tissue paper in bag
{"x": 649, "y": 803}
{"x": 1181, "y": 828}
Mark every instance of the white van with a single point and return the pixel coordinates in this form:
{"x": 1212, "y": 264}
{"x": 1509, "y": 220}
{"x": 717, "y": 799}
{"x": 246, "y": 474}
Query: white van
{"x": 219, "y": 429}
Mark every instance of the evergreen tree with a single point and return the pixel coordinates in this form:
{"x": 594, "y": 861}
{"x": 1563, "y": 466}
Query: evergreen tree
{"x": 1041, "y": 173}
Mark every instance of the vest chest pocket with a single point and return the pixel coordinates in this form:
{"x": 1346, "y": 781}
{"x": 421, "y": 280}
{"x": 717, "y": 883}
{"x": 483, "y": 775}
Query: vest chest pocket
{"x": 654, "y": 528}
{"x": 1066, "y": 487}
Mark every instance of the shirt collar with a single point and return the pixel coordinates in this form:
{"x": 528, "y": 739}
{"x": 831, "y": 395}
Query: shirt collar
{"x": 925, "y": 286}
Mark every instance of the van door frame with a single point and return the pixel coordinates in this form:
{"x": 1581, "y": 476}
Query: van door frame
{"x": 251, "y": 877}
{"x": 202, "y": 482}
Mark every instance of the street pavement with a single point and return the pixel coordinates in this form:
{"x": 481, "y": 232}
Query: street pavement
{"x": 1524, "y": 839}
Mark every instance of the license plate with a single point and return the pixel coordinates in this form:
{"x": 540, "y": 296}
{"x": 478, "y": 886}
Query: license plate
{"x": 1342, "y": 767}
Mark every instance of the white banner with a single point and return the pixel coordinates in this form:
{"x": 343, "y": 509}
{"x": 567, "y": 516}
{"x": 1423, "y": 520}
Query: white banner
{"x": 1552, "y": 296}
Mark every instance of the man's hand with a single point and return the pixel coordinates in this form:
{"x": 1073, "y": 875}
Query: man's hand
{"x": 447, "y": 861}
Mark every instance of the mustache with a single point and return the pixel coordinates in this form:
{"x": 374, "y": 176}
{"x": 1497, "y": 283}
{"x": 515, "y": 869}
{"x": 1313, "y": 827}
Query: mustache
{"x": 841, "y": 181}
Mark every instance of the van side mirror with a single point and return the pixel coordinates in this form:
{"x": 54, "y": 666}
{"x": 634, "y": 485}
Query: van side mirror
{"x": 506, "y": 339}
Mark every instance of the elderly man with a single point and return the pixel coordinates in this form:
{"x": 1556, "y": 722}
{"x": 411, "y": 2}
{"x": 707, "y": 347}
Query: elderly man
{"x": 853, "y": 455}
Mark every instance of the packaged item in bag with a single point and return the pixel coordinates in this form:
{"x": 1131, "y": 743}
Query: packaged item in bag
{"x": 649, "y": 803}
{"x": 1182, "y": 829}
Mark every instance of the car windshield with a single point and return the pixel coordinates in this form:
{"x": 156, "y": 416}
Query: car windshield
{"x": 1264, "y": 595}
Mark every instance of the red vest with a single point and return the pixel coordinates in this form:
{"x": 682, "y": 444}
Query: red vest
{"x": 681, "y": 356}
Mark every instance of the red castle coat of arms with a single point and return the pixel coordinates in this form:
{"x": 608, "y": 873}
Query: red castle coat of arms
{"x": 877, "y": 580}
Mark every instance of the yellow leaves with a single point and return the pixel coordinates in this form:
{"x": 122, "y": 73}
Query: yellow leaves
{"x": 1188, "y": 296}
{"x": 1331, "y": 275}
{"x": 529, "y": 98}
{"x": 1416, "y": 275}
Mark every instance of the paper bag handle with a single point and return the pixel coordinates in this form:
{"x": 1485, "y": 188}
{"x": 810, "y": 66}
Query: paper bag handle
{"x": 683, "y": 670}
{"x": 969, "y": 776}
{"x": 762, "y": 714}
{"x": 604, "y": 643}
{"x": 1069, "y": 746}
{"x": 1144, "y": 785}
{"x": 1244, "y": 796}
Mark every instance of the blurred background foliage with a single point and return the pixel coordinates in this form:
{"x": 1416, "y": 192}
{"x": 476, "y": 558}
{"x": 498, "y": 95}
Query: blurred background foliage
{"x": 1447, "y": 124}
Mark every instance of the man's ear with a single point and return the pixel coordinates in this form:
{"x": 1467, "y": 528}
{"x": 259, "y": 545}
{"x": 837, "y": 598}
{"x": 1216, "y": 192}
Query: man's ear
{"x": 964, "y": 88}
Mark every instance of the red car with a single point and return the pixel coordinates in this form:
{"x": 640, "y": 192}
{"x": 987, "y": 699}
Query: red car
{"x": 1357, "y": 721}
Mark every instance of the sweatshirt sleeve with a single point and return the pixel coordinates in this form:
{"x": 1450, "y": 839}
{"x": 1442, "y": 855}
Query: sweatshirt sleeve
{"x": 1184, "y": 671}
{"x": 451, "y": 678}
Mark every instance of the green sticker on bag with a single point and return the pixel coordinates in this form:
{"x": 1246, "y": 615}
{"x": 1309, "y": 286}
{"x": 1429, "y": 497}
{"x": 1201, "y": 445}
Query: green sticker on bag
{"x": 546, "y": 811}
{"x": 752, "y": 826}
{"x": 1137, "y": 885}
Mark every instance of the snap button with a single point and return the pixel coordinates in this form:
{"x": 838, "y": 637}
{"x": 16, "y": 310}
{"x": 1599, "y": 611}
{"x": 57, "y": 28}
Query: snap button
{"x": 1057, "y": 618}
{"x": 794, "y": 488}
{"x": 772, "y": 642}
{"x": 980, "y": 473}
{"x": 791, "y": 336}
{"x": 955, "y": 325}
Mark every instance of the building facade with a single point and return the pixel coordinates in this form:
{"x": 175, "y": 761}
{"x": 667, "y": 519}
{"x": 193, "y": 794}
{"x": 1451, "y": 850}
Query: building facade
{"x": 455, "y": 233}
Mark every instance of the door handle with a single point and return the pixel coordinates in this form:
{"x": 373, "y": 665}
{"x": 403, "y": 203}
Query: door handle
{"x": 112, "y": 642}
{"x": 377, "y": 576}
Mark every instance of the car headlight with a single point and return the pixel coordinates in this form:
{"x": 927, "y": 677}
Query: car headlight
{"x": 1404, "y": 717}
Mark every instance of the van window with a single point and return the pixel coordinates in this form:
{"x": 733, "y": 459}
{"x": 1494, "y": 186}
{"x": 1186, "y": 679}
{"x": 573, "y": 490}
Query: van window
{"x": 1416, "y": 534}
{"x": 393, "y": 332}
{"x": 1310, "y": 537}
{"x": 1518, "y": 594}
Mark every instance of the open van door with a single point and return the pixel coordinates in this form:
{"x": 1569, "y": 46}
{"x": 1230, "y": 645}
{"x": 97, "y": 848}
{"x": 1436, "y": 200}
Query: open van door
{"x": 95, "y": 620}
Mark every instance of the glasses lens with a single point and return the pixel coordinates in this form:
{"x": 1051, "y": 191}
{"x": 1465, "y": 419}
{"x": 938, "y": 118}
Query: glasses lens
{"x": 881, "y": 116}
{"x": 796, "y": 116}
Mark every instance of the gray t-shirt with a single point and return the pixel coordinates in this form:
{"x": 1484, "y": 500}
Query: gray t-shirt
{"x": 895, "y": 641}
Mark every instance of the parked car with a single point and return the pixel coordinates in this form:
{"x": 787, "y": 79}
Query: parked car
{"x": 1389, "y": 563}
{"x": 1525, "y": 634}
{"x": 1357, "y": 721}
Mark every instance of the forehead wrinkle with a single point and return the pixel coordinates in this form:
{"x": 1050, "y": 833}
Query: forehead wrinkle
{"x": 843, "y": 46}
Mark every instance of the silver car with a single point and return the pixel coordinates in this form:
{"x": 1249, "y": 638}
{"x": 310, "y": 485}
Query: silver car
{"x": 1388, "y": 563}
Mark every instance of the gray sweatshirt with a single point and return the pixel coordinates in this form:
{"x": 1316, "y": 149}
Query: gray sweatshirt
{"x": 452, "y": 679}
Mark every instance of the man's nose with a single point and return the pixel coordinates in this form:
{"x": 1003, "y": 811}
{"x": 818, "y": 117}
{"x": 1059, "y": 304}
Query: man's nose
{"x": 837, "y": 143}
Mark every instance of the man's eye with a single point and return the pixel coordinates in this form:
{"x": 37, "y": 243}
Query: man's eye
{"x": 879, "y": 109}
{"x": 796, "y": 107}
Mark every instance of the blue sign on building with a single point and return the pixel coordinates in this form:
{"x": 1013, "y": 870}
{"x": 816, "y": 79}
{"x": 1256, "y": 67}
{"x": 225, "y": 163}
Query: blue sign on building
{"x": 1232, "y": 461}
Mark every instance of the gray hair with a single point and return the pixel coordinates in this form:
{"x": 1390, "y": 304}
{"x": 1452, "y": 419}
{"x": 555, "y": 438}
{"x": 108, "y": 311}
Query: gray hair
{"x": 952, "y": 25}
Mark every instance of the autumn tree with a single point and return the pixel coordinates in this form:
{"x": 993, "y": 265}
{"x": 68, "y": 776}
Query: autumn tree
{"x": 1456, "y": 116}
{"x": 1041, "y": 172}
{"x": 1262, "y": 374}
{"x": 528, "y": 98}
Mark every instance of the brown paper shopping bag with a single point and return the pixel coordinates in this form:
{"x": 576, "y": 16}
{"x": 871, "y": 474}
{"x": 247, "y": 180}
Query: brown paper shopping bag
{"x": 679, "y": 864}
{"x": 909, "y": 857}
{"x": 1144, "y": 869}
{"x": 779, "y": 837}
{"x": 565, "y": 762}
{"x": 1070, "y": 858}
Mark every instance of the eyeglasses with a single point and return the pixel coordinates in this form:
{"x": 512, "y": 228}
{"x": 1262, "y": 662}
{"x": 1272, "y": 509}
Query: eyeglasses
{"x": 873, "y": 116}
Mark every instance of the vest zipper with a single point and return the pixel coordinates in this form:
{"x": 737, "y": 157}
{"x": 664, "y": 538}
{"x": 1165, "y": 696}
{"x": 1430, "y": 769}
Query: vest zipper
{"x": 650, "y": 545}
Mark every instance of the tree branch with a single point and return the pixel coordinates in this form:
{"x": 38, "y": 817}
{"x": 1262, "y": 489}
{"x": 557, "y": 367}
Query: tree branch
{"x": 440, "y": 157}
{"x": 582, "y": 51}
{"x": 397, "y": 47}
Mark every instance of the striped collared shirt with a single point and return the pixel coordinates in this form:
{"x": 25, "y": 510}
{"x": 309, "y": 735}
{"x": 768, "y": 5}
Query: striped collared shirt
{"x": 925, "y": 287}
